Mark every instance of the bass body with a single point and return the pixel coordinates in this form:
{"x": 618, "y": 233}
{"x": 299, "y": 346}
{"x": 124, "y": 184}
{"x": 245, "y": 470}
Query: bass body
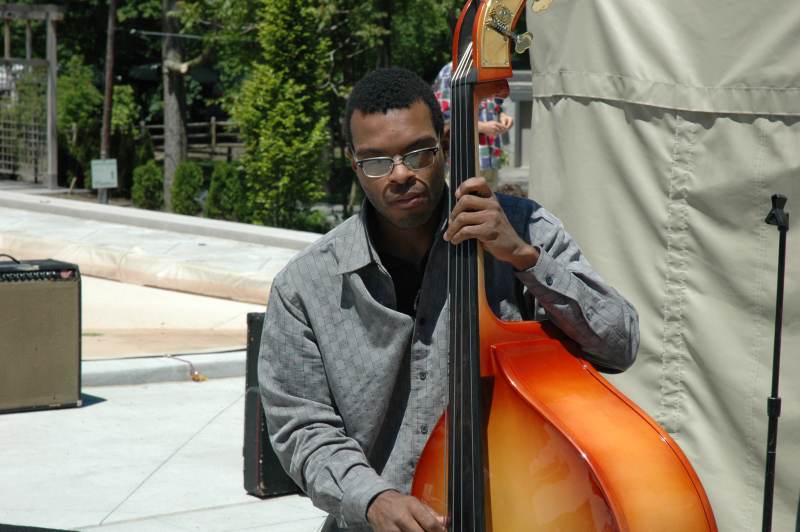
{"x": 565, "y": 450}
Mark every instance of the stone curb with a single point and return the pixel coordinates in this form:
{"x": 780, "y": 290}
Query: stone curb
{"x": 178, "y": 223}
{"x": 166, "y": 368}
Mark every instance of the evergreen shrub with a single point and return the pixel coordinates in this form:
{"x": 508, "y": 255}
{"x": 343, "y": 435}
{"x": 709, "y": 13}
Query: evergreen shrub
{"x": 282, "y": 113}
{"x": 130, "y": 146}
{"x": 187, "y": 187}
{"x": 148, "y": 186}
{"x": 79, "y": 111}
{"x": 226, "y": 199}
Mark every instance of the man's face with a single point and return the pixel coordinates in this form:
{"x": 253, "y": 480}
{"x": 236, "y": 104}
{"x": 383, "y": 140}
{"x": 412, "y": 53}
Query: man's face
{"x": 405, "y": 198}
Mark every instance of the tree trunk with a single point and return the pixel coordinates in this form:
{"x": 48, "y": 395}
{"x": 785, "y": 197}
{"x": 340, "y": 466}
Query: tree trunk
{"x": 384, "y": 57}
{"x": 174, "y": 102}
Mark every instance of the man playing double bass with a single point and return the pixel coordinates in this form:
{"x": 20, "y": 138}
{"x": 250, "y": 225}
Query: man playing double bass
{"x": 353, "y": 363}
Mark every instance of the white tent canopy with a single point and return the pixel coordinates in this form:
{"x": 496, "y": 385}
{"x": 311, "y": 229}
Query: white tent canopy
{"x": 660, "y": 131}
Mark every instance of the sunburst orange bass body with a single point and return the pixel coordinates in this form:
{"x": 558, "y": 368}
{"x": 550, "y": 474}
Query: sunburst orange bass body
{"x": 566, "y": 451}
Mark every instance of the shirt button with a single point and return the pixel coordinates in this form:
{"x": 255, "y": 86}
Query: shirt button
{"x": 423, "y": 429}
{"x": 423, "y": 375}
{"x": 549, "y": 280}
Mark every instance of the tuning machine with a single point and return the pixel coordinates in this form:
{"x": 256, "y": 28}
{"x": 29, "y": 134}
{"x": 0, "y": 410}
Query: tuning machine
{"x": 500, "y": 21}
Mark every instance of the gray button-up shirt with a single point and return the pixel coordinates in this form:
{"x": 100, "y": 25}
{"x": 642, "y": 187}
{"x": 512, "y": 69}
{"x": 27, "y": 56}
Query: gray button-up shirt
{"x": 352, "y": 387}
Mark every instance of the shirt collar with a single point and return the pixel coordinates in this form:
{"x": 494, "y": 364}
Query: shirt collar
{"x": 355, "y": 249}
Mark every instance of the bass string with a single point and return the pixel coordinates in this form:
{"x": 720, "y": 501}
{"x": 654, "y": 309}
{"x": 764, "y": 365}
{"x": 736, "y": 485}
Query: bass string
{"x": 463, "y": 292}
{"x": 469, "y": 330}
{"x": 454, "y": 343}
{"x": 456, "y": 365}
{"x": 471, "y": 365}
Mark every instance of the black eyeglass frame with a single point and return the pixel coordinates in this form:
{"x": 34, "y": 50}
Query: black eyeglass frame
{"x": 403, "y": 158}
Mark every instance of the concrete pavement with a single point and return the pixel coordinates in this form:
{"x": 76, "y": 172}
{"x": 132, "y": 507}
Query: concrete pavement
{"x": 149, "y": 457}
{"x": 153, "y": 283}
{"x": 121, "y": 319}
{"x": 190, "y": 254}
{"x": 150, "y": 449}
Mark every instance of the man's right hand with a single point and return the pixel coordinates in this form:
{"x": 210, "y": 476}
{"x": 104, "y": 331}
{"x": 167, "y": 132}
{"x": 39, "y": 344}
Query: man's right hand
{"x": 392, "y": 511}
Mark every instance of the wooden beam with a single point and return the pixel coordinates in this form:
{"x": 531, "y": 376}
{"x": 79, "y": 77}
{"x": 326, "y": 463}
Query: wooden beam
{"x": 28, "y": 40}
{"x": 52, "y": 137}
{"x": 6, "y": 40}
{"x": 31, "y": 12}
{"x": 30, "y": 62}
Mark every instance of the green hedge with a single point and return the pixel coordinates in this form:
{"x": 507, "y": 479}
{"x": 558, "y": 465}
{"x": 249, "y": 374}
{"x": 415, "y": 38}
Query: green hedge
{"x": 148, "y": 186}
{"x": 130, "y": 146}
{"x": 187, "y": 187}
{"x": 226, "y": 198}
{"x": 78, "y": 114}
{"x": 282, "y": 113}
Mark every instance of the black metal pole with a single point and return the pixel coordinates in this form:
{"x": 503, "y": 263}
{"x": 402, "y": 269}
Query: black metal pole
{"x": 108, "y": 94}
{"x": 779, "y": 218}
{"x": 797, "y": 524}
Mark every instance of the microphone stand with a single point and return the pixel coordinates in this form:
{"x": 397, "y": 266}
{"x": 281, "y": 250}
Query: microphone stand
{"x": 779, "y": 218}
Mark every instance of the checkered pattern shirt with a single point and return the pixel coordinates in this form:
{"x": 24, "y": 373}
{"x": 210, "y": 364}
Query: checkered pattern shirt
{"x": 352, "y": 387}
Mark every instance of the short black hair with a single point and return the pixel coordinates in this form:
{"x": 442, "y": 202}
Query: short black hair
{"x": 390, "y": 88}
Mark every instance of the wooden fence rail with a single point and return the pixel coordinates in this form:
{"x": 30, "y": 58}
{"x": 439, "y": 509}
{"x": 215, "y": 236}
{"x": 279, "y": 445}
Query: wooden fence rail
{"x": 210, "y": 140}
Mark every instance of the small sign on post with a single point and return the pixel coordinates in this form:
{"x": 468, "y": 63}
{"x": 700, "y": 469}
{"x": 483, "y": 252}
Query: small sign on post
{"x": 104, "y": 173}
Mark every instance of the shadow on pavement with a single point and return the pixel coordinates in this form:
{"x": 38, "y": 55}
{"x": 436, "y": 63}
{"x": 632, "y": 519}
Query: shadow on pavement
{"x": 17, "y": 528}
{"x": 88, "y": 400}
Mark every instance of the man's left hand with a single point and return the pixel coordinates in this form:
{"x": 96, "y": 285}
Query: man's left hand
{"x": 477, "y": 214}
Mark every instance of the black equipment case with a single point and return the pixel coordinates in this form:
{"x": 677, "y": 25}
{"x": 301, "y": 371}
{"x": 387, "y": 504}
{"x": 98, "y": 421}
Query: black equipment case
{"x": 263, "y": 474}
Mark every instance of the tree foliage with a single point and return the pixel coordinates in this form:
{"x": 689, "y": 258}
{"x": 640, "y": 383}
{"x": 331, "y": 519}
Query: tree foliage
{"x": 79, "y": 108}
{"x": 226, "y": 198}
{"x": 148, "y": 186}
{"x": 415, "y": 34}
{"x": 126, "y": 111}
{"x": 228, "y": 35}
{"x": 130, "y": 145}
{"x": 356, "y": 36}
{"x": 300, "y": 57}
{"x": 283, "y": 117}
{"x": 422, "y": 35}
{"x": 186, "y": 188}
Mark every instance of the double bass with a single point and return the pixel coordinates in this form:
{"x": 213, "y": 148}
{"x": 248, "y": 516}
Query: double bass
{"x": 534, "y": 438}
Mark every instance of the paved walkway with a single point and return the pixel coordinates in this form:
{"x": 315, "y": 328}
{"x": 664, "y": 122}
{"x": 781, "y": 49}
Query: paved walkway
{"x": 150, "y": 457}
{"x": 154, "y": 284}
{"x": 150, "y": 449}
{"x": 186, "y": 253}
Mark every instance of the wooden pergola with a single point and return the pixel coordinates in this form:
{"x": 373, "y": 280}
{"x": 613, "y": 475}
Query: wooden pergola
{"x": 50, "y": 14}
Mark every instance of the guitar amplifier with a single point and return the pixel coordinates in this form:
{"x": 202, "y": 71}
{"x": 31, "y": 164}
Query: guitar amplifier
{"x": 40, "y": 335}
{"x": 263, "y": 474}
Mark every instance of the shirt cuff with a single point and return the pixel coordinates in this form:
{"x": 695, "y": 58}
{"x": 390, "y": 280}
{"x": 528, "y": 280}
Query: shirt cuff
{"x": 364, "y": 489}
{"x": 546, "y": 280}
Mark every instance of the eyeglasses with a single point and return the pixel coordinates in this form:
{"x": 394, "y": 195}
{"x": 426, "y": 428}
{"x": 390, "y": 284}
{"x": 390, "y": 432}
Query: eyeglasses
{"x": 376, "y": 167}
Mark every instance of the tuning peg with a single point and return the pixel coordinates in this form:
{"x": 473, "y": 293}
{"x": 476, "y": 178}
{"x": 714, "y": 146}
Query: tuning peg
{"x": 537, "y": 6}
{"x": 522, "y": 41}
{"x": 500, "y": 19}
